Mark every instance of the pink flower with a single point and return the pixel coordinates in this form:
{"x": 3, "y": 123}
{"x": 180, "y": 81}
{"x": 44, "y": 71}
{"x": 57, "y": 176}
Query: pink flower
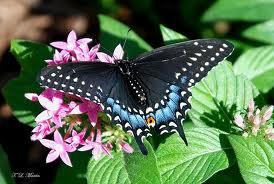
{"x": 59, "y": 58}
{"x": 251, "y": 107}
{"x": 58, "y": 149}
{"x": 32, "y": 96}
{"x": 117, "y": 55}
{"x": 52, "y": 101}
{"x": 239, "y": 121}
{"x": 41, "y": 130}
{"x": 126, "y": 147}
{"x": 86, "y": 54}
{"x": 72, "y": 42}
{"x": 97, "y": 146}
{"x": 77, "y": 138}
{"x": 88, "y": 107}
{"x": 267, "y": 114}
{"x": 270, "y": 133}
{"x": 256, "y": 124}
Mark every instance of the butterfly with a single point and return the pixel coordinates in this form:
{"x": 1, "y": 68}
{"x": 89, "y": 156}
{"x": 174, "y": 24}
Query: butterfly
{"x": 149, "y": 92}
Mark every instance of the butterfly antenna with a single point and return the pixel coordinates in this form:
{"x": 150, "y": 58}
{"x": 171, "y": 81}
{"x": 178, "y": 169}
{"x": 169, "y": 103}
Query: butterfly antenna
{"x": 126, "y": 38}
{"x": 105, "y": 49}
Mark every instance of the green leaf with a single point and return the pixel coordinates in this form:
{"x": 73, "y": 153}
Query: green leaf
{"x": 231, "y": 175}
{"x": 216, "y": 98}
{"x": 31, "y": 57}
{"x": 258, "y": 65}
{"x": 5, "y": 174}
{"x": 255, "y": 158}
{"x": 75, "y": 174}
{"x": 246, "y": 10}
{"x": 114, "y": 32}
{"x": 263, "y": 32}
{"x": 195, "y": 163}
{"x": 170, "y": 36}
{"x": 125, "y": 168}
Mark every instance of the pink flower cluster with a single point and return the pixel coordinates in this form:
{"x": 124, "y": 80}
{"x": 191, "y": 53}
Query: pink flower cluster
{"x": 256, "y": 122}
{"x": 74, "y": 121}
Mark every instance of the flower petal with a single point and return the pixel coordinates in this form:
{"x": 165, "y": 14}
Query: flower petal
{"x": 126, "y": 147}
{"x": 118, "y": 52}
{"x": 84, "y": 41}
{"x": 104, "y": 57}
{"x": 71, "y": 40}
{"x": 80, "y": 109}
{"x": 268, "y": 113}
{"x": 93, "y": 116}
{"x": 86, "y": 147}
{"x": 53, "y": 155}
{"x": 48, "y": 143}
{"x": 71, "y": 37}
{"x": 57, "y": 98}
{"x": 58, "y": 138}
{"x": 251, "y": 106}
{"x": 43, "y": 116}
{"x": 31, "y": 96}
{"x": 59, "y": 45}
{"x": 64, "y": 156}
{"x": 239, "y": 121}
{"x": 96, "y": 152}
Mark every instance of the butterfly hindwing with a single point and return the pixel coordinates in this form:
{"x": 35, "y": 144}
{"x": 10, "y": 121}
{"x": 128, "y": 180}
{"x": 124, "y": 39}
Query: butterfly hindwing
{"x": 124, "y": 110}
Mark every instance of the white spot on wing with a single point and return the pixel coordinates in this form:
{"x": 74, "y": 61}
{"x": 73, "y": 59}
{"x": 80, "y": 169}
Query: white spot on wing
{"x": 193, "y": 58}
{"x": 138, "y": 132}
{"x": 182, "y": 104}
{"x": 149, "y": 109}
{"x": 177, "y": 75}
{"x": 117, "y": 118}
{"x": 172, "y": 124}
{"x": 162, "y": 126}
{"x": 164, "y": 131}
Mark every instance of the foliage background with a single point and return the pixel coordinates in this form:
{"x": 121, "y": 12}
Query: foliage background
{"x": 216, "y": 155}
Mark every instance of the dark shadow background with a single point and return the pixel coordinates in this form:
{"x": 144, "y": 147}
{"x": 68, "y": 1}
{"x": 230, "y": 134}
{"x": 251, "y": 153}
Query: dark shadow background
{"x": 49, "y": 20}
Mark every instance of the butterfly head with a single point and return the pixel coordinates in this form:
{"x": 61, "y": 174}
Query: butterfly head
{"x": 124, "y": 66}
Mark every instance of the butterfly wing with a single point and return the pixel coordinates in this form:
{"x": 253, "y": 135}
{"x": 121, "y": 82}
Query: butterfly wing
{"x": 101, "y": 83}
{"x": 168, "y": 73}
{"x": 91, "y": 80}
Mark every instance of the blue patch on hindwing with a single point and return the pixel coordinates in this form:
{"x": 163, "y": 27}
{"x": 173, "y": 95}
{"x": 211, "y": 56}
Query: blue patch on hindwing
{"x": 135, "y": 120}
{"x": 167, "y": 113}
{"x": 164, "y": 114}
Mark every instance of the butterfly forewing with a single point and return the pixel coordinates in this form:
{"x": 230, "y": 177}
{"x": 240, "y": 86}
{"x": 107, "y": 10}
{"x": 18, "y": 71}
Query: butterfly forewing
{"x": 92, "y": 81}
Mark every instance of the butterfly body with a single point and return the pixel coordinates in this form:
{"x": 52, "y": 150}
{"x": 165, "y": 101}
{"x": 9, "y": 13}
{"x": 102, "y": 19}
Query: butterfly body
{"x": 151, "y": 91}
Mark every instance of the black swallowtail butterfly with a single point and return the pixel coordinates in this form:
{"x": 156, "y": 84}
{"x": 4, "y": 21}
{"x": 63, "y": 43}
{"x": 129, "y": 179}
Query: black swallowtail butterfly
{"x": 150, "y": 91}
